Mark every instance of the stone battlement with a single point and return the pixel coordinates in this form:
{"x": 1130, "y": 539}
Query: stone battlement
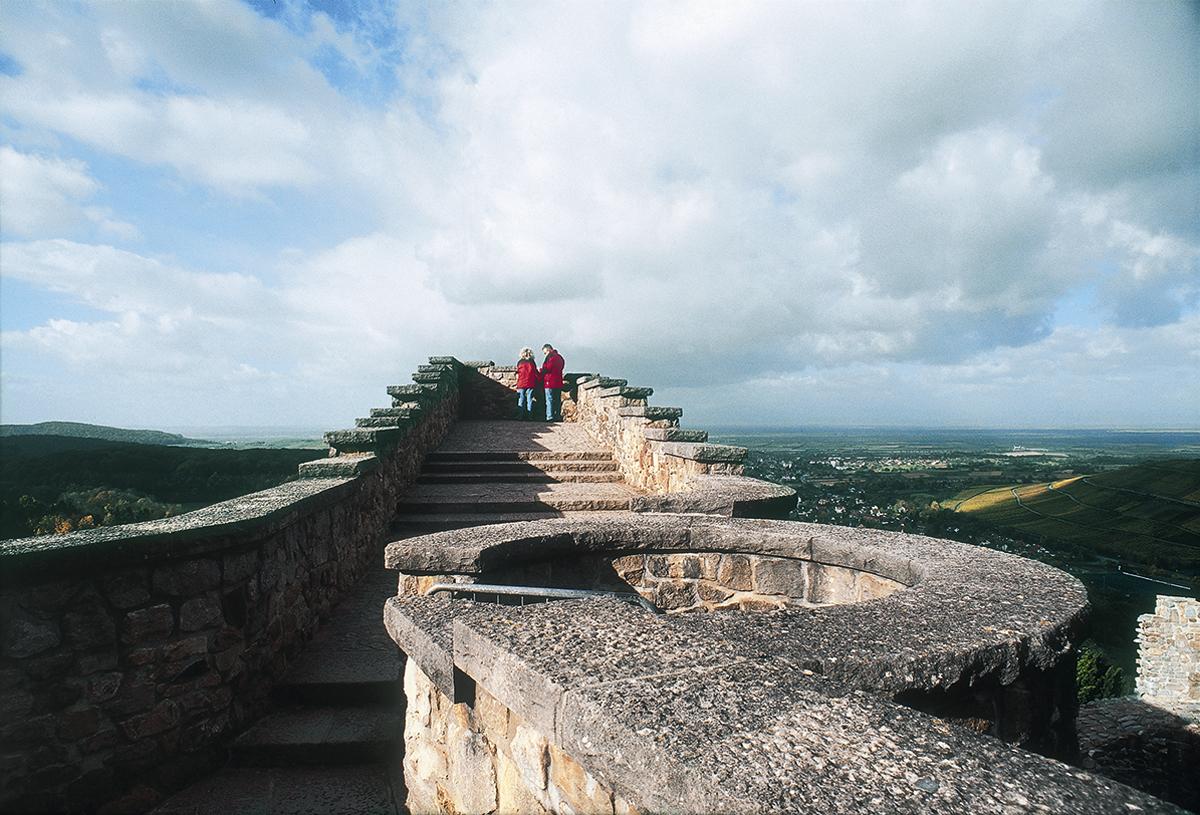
{"x": 786, "y": 665}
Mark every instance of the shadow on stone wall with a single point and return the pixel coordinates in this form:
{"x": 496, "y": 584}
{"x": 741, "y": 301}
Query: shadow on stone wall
{"x": 1147, "y": 747}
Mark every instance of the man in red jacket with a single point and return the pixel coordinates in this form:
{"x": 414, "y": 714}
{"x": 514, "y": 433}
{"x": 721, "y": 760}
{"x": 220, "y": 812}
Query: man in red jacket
{"x": 552, "y": 381}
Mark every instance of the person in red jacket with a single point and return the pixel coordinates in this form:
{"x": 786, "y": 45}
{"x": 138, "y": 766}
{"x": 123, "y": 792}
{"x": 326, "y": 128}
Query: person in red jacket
{"x": 527, "y": 379}
{"x": 552, "y": 381}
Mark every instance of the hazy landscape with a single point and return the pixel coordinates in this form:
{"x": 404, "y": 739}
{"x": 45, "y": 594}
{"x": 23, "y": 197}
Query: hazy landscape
{"x": 1118, "y": 509}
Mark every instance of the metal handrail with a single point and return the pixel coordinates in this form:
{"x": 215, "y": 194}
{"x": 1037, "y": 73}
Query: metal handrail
{"x": 542, "y": 591}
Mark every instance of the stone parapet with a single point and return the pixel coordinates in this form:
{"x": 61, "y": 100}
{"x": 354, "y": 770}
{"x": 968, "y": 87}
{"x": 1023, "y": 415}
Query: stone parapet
{"x": 1168, "y": 663}
{"x": 882, "y": 659}
{"x": 675, "y": 466}
{"x": 130, "y": 655}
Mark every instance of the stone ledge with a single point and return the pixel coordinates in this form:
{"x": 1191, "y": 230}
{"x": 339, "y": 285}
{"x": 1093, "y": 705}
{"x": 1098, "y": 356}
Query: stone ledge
{"x": 398, "y": 412}
{"x": 401, "y": 391}
{"x": 435, "y": 368}
{"x": 339, "y": 466}
{"x": 368, "y": 422}
{"x": 478, "y": 363}
{"x": 651, "y": 412}
{"x": 208, "y": 529}
{"x": 602, "y": 382}
{"x": 431, "y": 377}
{"x": 674, "y": 434}
{"x": 444, "y": 360}
{"x": 421, "y": 627}
{"x": 364, "y": 440}
{"x": 734, "y": 496}
{"x": 626, "y": 392}
{"x": 713, "y": 453}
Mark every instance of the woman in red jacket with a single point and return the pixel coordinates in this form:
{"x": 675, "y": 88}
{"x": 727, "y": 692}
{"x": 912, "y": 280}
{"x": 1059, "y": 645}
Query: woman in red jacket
{"x": 552, "y": 381}
{"x": 527, "y": 380}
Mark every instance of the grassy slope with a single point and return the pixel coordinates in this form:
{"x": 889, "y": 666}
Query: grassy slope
{"x": 1149, "y": 513}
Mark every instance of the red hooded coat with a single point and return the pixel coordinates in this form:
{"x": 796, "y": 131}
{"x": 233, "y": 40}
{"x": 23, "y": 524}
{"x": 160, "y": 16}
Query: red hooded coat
{"x": 527, "y": 374}
{"x": 552, "y": 370}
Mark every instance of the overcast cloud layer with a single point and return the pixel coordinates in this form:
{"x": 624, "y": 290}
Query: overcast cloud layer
{"x": 783, "y": 213}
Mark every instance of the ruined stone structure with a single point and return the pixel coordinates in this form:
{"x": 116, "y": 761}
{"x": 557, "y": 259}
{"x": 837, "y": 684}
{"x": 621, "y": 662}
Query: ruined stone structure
{"x": 1169, "y": 653}
{"x": 729, "y": 663}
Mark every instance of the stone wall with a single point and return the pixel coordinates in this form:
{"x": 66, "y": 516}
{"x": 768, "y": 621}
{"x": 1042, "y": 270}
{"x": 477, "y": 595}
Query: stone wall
{"x": 131, "y": 655}
{"x": 480, "y": 757}
{"x": 1168, "y": 663}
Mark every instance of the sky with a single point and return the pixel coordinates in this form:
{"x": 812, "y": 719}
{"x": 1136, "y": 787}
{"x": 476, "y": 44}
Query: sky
{"x": 259, "y": 213}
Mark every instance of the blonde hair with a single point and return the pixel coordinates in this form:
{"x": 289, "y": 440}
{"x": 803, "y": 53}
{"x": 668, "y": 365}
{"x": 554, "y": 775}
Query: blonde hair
{"x": 526, "y": 353}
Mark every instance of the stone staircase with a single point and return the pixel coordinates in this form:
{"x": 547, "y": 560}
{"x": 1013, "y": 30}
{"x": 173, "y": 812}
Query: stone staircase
{"x": 334, "y": 742}
{"x": 489, "y": 472}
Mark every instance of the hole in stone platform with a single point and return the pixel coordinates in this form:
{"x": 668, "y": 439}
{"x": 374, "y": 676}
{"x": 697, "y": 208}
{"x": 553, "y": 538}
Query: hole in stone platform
{"x": 679, "y": 582}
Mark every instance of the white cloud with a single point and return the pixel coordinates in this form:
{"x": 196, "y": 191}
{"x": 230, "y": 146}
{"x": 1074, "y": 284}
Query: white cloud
{"x": 752, "y": 193}
{"x": 44, "y": 194}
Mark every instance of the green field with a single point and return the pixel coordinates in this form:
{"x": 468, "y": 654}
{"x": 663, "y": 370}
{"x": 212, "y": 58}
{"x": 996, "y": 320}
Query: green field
{"x": 1147, "y": 514}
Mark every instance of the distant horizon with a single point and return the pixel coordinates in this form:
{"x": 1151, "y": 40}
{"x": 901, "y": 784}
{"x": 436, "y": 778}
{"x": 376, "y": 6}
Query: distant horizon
{"x": 716, "y": 428}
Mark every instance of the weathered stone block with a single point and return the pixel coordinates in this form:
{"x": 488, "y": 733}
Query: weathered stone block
{"x": 734, "y": 572}
{"x": 471, "y": 773}
{"x": 126, "y": 589}
{"x": 158, "y": 719}
{"x": 88, "y": 625}
{"x": 187, "y": 578}
{"x": 198, "y": 613}
{"x": 530, "y": 753}
{"x": 26, "y": 634}
{"x": 148, "y": 623}
{"x": 779, "y": 576}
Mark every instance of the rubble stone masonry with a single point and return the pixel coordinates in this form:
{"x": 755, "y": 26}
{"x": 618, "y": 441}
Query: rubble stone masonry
{"x": 1168, "y": 670}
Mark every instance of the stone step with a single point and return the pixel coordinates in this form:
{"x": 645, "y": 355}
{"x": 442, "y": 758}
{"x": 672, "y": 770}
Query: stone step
{"x": 536, "y": 477}
{"x": 519, "y": 455}
{"x": 674, "y": 434}
{"x": 363, "y": 440}
{"x": 476, "y": 498}
{"x": 396, "y": 412}
{"x": 425, "y": 523}
{"x": 319, "y": 735}
{"x": 651, "y": 412}
{"x": 626, "y": 392}
{"x": 344, "y": 790}
{"x": 603, "y": 382}
{"x": 382, "y": 421}
{"x": 520, "y": 466}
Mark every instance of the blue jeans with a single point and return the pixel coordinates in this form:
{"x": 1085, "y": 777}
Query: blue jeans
{"x": 553, "y": 395}
{"x": 525, "y": 399}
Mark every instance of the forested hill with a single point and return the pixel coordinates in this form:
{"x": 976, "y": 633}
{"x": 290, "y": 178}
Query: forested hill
{"x": 57, "y": 484}
{"x": 80, "y": 430}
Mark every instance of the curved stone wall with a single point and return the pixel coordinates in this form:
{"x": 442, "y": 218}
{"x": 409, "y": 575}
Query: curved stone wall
{"x": 785, "y": 710}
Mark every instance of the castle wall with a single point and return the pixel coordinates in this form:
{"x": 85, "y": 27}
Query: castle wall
{"x": 481, "y": 758}
{"x": 132, "y": 654}
{"x": 1168, "y": 663}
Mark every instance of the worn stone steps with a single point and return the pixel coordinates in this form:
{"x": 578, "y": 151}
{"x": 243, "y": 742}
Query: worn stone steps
{"x": 519, "y": 478}
{"x": 539, "y": 456}
{"x": 476, "y": 466}
{"x": 425, "y": 523}
{"x": 302, "y": 790}
{"x": 320, "y": 735}
{"x": 477, "y": 498}
{"x": 337, "y": 731}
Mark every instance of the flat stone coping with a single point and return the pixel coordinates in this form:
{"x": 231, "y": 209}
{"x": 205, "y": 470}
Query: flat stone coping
{"x": 498, "y": 436}
{"x": 203, "y": 530}
{"x": 736, "y": 496}
{"x": 778, "y": 711}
